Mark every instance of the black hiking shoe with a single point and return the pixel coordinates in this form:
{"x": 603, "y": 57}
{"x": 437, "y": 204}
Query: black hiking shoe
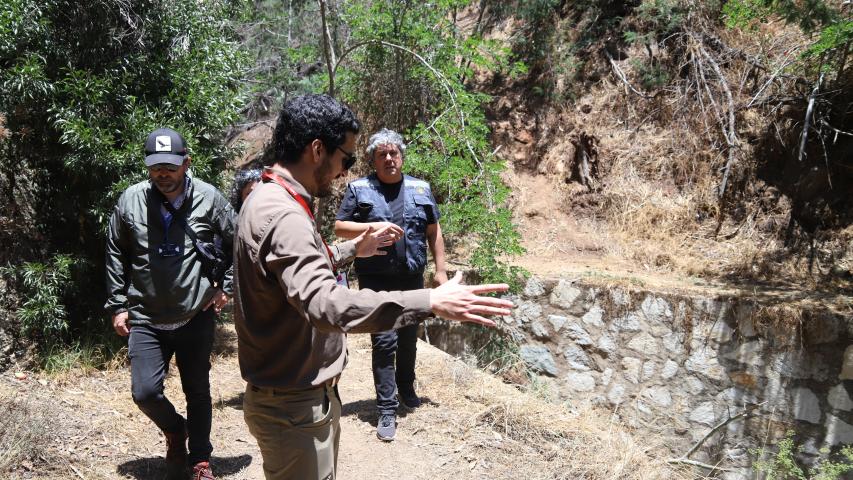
{"x": 176, "y": 454}
{"x": 386, "y": 427}
{"x": 409, "y": 398}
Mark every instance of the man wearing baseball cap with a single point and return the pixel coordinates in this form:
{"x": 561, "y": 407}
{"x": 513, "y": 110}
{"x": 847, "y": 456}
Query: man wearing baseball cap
{"x": 162, "y": 297}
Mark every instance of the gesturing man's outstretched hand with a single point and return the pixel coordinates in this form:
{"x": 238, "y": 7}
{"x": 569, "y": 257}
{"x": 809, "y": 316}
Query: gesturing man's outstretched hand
{"x": 455, "y": 301}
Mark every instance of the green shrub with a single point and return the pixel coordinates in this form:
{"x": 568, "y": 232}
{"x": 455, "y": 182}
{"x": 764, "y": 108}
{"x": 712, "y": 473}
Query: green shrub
{"x": 444, "y": 120}
{"x": 44, "y": 286}
{"x": 833, "y": 27}
{"x": 652, "y": 75}
{"x": 81, "y": 85}
{"x": 783, "y": 464}
{"x": 99, "y": 352}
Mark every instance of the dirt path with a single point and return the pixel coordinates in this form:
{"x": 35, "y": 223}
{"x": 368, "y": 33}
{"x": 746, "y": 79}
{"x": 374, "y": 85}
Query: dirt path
{"x": 88, "y": 427}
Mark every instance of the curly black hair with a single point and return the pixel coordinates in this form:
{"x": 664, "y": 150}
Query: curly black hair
{"x": 310, "y": 117}
{"x": 243, "y": 177}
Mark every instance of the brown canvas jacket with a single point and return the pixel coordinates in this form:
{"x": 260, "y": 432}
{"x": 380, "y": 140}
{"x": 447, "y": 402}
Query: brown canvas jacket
{"x": 291, "y": 315}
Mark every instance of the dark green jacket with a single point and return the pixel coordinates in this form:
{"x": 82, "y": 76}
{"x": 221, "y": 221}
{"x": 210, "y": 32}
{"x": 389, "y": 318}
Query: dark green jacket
{"x": 153, "y": 288}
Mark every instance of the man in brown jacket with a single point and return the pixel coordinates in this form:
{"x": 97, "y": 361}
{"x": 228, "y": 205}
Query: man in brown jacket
{"x": 292, "y": 312}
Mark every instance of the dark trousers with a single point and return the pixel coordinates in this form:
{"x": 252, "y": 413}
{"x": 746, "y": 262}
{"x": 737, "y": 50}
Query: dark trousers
{"x": 150, "y": 351}
{"x": 391, "y": 345}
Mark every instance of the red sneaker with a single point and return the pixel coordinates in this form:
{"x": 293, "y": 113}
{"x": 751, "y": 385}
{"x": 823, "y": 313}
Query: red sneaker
{"x": 202, "y": 471}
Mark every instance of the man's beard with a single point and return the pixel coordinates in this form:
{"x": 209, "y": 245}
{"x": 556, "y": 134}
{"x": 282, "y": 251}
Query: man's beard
{"x": 168, "y": 186}
{"x": 323, "y": 179}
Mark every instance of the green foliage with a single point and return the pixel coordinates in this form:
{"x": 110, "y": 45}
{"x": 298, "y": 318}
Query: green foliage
{"x": 45, "y": 286}
{"x": 810, "y": 15}
{"x": 833, "y": 38}
{"x": 745, "y": 14}
{"x": 834, "y": 29}
{"x": 662, "y": 16}
{"x": 536, "y": 39}
{"x": 444, "y": 121}
{"x": 283, "y": 40}
{"x": 829, "y": 470}
{"x": 652, "y": 75}
{"x": 783, "y": 464}
{"x": 81, "y": 85}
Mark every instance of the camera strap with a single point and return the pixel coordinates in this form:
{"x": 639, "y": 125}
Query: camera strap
{"x": 182, "y": 220}
{"x": 177, "y": 218}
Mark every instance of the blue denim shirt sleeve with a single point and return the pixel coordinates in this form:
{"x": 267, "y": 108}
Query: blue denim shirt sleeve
{"x": 346, "y": 211}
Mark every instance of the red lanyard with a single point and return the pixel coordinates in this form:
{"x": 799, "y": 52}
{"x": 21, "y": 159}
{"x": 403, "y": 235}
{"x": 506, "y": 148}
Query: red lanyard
{"x": 269, "y": 176}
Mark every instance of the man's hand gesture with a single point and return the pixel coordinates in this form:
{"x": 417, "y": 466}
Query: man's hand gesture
{"x": 373, "y": 239}
{"x": 454, "y": 301}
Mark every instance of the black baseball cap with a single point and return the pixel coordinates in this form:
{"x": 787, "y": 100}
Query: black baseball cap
{"x": 165, "y": 145}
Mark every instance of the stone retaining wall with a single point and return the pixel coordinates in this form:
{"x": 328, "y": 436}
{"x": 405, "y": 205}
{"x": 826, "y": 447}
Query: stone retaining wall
{"x": 679, "y": 365}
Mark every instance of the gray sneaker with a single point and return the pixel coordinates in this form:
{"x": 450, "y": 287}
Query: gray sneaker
{"x": 386, "y": 427}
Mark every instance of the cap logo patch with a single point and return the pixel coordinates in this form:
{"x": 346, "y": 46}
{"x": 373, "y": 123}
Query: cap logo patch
{"x": 163, "y": 143}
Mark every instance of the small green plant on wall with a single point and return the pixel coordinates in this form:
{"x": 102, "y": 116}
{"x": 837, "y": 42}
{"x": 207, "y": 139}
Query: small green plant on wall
{"x": 783, "y": 464}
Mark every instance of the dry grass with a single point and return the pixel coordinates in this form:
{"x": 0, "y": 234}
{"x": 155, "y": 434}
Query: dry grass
{"x": 23, "y": 433}
{"x": 543, "y": 439}
{"x": 661, "y": 163}
{"x": 471, "y": 426}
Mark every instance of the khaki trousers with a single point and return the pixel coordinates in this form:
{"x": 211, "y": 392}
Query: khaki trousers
{"x": 298, "y": 432}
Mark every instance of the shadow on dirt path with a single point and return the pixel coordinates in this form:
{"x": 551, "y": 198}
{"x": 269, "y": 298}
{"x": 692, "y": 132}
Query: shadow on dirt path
{"x": 154, "y": 467}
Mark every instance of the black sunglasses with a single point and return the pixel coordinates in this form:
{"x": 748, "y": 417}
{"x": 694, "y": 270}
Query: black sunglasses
{"x": 164, "y": 166}
{"x": 349, "y": 159}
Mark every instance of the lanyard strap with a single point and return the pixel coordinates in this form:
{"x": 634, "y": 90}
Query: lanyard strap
{"x": 270, "y": 176}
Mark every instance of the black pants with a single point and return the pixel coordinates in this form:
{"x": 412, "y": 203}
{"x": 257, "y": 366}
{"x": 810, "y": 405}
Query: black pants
{"x": 150, "y": 351}
{"x": 391, "y": 345}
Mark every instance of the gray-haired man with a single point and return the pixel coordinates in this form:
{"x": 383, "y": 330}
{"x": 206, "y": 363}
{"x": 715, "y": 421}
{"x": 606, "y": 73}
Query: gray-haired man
{"x": 388, "y": 197}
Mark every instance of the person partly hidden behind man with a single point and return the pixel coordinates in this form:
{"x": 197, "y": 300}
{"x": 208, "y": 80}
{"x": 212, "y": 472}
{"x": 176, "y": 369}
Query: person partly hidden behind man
{"x": 245, "y": 180}
{"x": 387, "y": 197}
{"x": 164, "y": 293}
{"x": 292, "y": 312}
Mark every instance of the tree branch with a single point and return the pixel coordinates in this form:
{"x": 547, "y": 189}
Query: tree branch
{"x": 808, "y": 120}
{"x": 621, "y": 75}
{"x": 685, "y": 458}
{"x": 328, "y": 48}
{"x": 438, "y": 75}
{"x": 731, "y": 136}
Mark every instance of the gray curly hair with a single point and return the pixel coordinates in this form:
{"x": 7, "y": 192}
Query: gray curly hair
{"x": 385, "y": 137}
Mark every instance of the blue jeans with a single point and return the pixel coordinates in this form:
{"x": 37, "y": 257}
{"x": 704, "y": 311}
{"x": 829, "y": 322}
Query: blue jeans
{"x": 393, "y": 346}
{"x": 150, "y": 351}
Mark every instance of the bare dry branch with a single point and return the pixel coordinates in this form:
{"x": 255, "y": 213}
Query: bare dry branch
{"x": 770, "y": 80}
{"x": 808, "y": 120}
{"x": 685, "y": 459}
{"x": 621, "y": 75}
{"x": 694, "y": 463}
{"x": 729, "y": 126}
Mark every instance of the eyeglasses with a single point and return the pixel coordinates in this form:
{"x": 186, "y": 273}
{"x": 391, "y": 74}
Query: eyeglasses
{"x": 349, "y": 159}
{"x": 164, "y": 166}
